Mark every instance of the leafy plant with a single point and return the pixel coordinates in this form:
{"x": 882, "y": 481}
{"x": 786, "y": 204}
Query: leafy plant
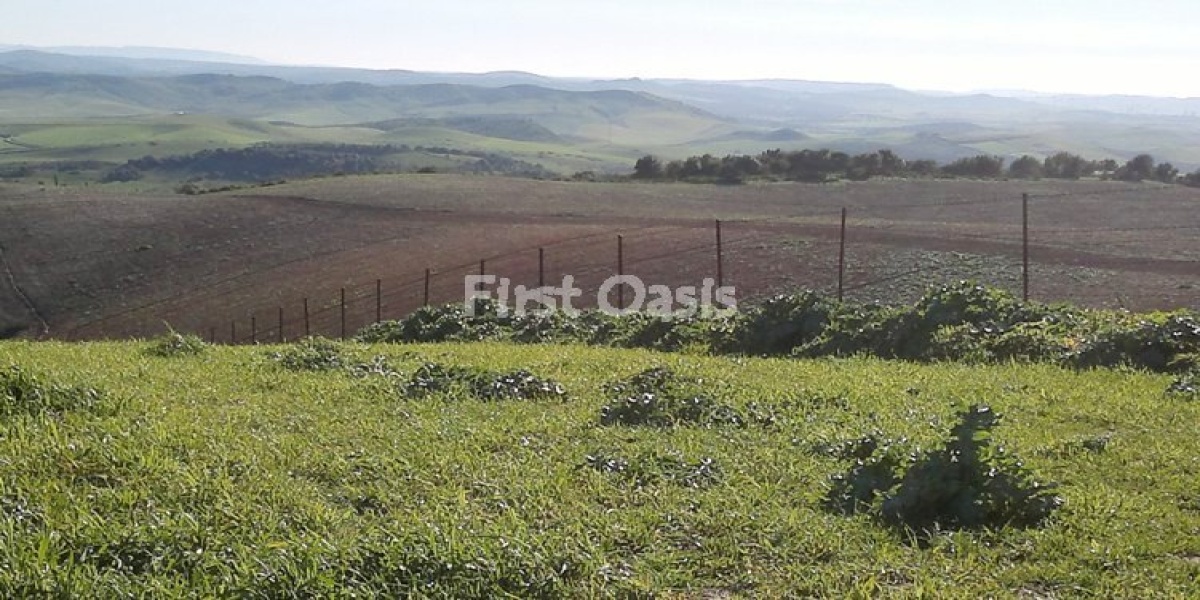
{"x": 433, "y": 378}
{"x": 968, "y": 483}
{"x": 312, "y": 354}
{"x": 660, "y": 398}
{"x": 652, "y": 468}
{"x": 377, "y": 366}
{"x": 175, "y": 344}
{"x": 22, "y": 392}
{"x": 1186, "y": 386}
{"x": 960, "y": 322}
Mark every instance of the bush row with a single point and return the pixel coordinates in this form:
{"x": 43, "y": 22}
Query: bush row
{"x": 964, "y": 322}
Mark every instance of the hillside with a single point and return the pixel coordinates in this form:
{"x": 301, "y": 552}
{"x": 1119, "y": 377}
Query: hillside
{"x": 50, "y": 117}
{"x": 306, "y": 470}
{"x": 119, "y": 260}
{"x": 604, "y": 118}
{"x": 99, "y": 96}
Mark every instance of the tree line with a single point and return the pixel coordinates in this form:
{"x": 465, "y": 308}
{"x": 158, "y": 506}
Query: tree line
{"x": 819, "y": 166}
{"x": 273, "y": 162}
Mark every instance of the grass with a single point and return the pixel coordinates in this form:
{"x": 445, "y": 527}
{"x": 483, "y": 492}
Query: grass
{"x": 118, "y": 140}
{"x": 224, "y": 474}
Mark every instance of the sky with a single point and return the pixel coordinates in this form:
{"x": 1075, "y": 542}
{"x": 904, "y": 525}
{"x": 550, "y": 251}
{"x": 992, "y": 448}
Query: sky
{"x": 1061, "y": 46}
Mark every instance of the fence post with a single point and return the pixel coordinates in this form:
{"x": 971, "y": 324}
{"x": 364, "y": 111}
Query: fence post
{"x": 541, "y": 267}
{"x": 253, "y": 330}
{"x": 428, "y": 280}
{"x": 1025, "y": 246}
{"x": 842, "y": 260}
{"x": 378, "y": 300}
{"x": 720, "y": 258}
{"x": 307, "y": 325}
{"x": 281, "y": 338}
{"x": 621, "y": 271}
{"x": 343, "y": 336}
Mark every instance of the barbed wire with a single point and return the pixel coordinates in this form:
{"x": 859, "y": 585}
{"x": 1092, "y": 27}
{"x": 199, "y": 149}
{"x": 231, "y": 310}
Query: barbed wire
{"x": 400, "y": 290}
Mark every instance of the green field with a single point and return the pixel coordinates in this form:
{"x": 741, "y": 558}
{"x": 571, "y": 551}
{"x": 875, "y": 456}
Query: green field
{"x": 226, "y": 474}
{"x": 65, "y": 149}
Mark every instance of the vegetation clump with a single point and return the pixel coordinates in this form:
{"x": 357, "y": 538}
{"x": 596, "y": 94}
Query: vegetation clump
{"x": 433, "y": 378}
{"x": 491, "y": 321}
{"x": 959, "y": 322}
{"x": 312, "y": 354}
{"x": 967, "y": 484}
{"x": 651, "y": 468}
{"x": 22, "y": 392}
{"x": 176, "y": 344}
{"x": 1186, "y": 386}
{"x": 659, "y": 397}
{"x": 825, "y": 165}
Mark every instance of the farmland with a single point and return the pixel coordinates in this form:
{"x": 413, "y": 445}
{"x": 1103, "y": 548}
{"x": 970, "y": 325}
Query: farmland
{"x": 233, "y": 472}
{"x": 235, "y": 360}
{"x": 119, "y": 260}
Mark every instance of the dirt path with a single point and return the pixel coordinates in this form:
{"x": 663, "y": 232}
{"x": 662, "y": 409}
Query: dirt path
{"x": 30, "y": 307}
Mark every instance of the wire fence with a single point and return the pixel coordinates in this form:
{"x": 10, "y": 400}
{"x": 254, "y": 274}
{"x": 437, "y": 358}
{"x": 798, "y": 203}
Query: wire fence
{"x": 1033, "y": 246}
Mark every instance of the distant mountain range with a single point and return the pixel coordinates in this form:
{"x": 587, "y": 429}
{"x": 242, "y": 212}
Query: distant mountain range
{"x": 142, "y": 52}
{"x": 672, "y": 117}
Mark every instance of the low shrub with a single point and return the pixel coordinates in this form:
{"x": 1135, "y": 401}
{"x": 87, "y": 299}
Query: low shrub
{"x": 433, "y": 378}
{"x": 176, "y": 344}
{"x": 967, "y": 484}
{"x": 1157, "y": 343}
{"x": 449, "y": 323}
{"x": 963, "y": 321}
{"x": 660, "y": 398}
{"x": 313, "y": 354}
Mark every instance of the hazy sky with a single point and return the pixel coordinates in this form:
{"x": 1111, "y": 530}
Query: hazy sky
{"x": 1086, "y": 46}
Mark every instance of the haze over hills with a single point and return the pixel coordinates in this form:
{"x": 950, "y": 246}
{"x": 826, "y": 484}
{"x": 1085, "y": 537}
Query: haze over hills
{"x": 616, "y": 118}
{"x": 141, "y": 52}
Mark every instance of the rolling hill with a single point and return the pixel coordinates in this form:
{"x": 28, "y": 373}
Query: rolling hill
{"x": 605, "y": 122}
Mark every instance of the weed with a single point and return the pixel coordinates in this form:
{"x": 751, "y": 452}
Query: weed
{"x": 433, "y": 378}
{"x": 22, "y": 392}
{"x": 962, "y": 322}
{"x": 312, "y": 354}
{"x": 1185, "y": 386}
{"x": 660, "y": 398}
{"x": 968, "y": 483}
{"x": 175, "y": 344}
{"x": 651, "y": 468}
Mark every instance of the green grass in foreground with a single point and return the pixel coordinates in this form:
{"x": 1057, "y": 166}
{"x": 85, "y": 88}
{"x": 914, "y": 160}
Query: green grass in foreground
{"x": 224, "y": 474}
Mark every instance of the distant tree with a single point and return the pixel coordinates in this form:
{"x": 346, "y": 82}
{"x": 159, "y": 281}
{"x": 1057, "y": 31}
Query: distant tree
{"x": 1192, "y": 179}
{"x": 735, "y": 169}
{"x": 1107, "y": 168}
{"x": 748, "y": 165}
{"x": 983, "y": 166}
{"x": 773, "y": 162}
{"x": 816, "y": 166}
{"x": 890, "y": 165}
{"x": 1139, "y": 168}
{"x": 922, "y": 168}
{"x": 1026, "y": 167}
{"x": 674, "y": 170}
{"x": 648, "y": 167}
{"x": 1064, "y": 165}
{"x": 864, "y": 166}
{"x": 1166, "y": 173}
{"x": 123, "y": 173}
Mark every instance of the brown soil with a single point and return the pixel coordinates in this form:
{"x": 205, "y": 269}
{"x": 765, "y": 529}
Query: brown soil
{"x": 97, "y": 266}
